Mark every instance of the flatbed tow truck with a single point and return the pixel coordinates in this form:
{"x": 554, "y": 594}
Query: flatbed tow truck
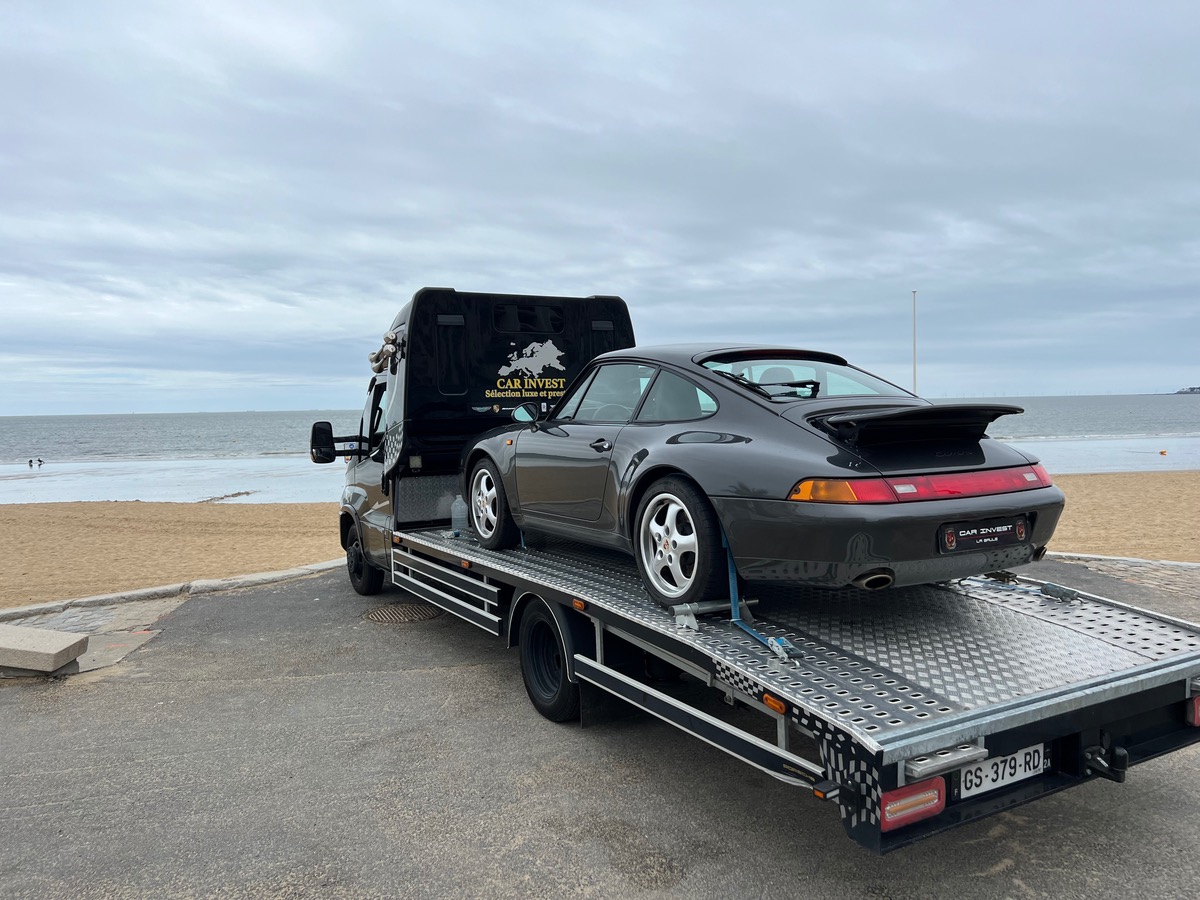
{"x": 914, "y": 709}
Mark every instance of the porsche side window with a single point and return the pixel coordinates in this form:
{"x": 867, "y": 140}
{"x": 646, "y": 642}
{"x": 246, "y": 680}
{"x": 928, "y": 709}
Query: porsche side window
{"x": 675, "y": 399}
{"x": 570, "y": 404}
{"x": 613, "y": 394}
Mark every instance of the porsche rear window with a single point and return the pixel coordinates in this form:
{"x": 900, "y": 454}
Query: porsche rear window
{"x": 791, "y": 378}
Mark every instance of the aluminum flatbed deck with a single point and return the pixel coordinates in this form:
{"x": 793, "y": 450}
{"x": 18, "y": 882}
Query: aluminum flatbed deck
{"x": 895, "y": 688}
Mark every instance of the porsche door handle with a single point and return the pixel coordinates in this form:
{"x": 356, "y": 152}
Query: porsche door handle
{"x": 600, "y": 445}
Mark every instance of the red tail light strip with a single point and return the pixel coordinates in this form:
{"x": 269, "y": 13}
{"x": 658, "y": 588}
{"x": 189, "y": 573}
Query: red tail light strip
{"x": 968, "y": 484}
{"x": 903, "y": 489}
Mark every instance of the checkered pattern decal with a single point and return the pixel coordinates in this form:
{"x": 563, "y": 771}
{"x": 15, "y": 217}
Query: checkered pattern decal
{"x": 739, "y": 680}
{"x": 845, "y": 762}
{"x": 392, "y": 442}
{"x": 852, "y": 768}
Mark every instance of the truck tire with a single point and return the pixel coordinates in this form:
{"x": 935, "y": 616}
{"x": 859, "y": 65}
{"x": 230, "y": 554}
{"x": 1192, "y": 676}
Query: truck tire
{"x": 677, "y": 541}
{"x": 491, "y": 519}
{"x": 365, "y": 577}
{"x": 544, "y": 656}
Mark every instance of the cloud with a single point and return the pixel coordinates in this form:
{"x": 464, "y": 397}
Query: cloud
{"x": 222, "y": 205}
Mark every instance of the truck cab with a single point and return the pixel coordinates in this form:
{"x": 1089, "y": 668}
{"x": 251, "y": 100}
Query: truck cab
{"x": 452, "y": 365}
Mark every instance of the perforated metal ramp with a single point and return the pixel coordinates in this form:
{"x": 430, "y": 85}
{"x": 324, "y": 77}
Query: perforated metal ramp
{"x": 902, "y": 671}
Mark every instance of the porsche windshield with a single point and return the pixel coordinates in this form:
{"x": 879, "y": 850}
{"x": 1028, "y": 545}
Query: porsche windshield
{"x": 793, "y": 378}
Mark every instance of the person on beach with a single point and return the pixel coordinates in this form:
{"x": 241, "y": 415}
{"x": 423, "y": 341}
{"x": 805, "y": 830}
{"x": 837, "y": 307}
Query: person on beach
{"x": 31, "y": 464}
{"x": 39, "y": 462}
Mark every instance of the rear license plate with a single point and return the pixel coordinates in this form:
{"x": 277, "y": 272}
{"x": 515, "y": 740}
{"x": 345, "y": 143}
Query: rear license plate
{"x": 960, "y": 536}
{"x": 990, "y": 774}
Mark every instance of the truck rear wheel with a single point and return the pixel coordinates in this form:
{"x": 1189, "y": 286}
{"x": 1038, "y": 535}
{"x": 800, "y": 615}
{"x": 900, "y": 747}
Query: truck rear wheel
{"x": 544, "y": 665}
{"x": 365, "y": 578}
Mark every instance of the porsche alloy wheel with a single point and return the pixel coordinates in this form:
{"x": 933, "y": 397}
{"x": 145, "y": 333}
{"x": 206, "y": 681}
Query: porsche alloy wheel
{"x": 678, "y": 544}
{"x": 490, "y": 519}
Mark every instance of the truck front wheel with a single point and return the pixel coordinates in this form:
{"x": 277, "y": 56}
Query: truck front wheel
{"x": 365, "y": 578}
{"x": 544, "y": 665}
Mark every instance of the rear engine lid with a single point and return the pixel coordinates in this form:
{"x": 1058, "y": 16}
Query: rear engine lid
{"x": 897, "y": 439}
{"x": 867, "y": 427}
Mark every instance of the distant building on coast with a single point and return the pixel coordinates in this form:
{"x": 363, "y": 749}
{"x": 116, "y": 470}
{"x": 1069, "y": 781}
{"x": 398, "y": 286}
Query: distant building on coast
{"x": 1191, "y": 390}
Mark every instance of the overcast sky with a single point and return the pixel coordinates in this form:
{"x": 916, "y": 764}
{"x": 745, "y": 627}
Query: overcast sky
{"x": 221, "y": 205}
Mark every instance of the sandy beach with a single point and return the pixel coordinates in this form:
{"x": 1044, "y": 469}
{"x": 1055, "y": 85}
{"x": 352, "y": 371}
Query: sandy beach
{"x": 58, "y": 551}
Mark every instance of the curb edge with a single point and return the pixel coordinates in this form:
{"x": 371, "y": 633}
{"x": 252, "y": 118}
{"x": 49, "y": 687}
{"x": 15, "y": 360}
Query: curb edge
{"x": 200, "y": 586}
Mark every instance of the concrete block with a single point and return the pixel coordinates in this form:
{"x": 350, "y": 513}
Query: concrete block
{"x": 39, "y": 649}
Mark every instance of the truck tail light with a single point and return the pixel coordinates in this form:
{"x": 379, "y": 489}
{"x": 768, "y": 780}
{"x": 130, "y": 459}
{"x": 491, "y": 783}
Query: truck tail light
{"x": 1193, "y": 710}
{"x": 912, "y": 803}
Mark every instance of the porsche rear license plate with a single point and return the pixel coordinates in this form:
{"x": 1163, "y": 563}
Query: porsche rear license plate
{"x": 976, "y": 778}
{"x": 960, "y": 536}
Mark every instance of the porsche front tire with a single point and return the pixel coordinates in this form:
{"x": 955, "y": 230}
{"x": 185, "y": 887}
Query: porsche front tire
{"x": 491, "y": 519}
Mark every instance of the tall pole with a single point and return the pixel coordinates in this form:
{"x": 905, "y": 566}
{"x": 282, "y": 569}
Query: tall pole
{"x": 914, "y": 342}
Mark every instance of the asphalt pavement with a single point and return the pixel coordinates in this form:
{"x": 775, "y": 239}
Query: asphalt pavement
{"x": 271, "y": 741}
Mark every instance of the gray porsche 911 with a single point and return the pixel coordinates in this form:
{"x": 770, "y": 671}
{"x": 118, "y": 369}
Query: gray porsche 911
{"x": 806, "y": 468}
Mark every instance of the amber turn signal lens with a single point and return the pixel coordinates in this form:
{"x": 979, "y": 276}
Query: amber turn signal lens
{"x": 858, "y": 490}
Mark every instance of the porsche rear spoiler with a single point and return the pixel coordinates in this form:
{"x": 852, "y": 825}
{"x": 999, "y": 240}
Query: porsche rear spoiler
{"x": 900, "y": 425}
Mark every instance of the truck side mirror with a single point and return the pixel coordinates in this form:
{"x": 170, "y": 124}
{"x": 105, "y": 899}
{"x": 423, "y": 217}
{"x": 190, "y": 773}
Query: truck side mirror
{"x": 320, "y": 445}
{"x": 526, "y": 412}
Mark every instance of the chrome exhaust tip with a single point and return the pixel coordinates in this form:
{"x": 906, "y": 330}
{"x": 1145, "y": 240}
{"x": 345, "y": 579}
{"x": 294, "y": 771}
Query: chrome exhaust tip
{"x": 874, "y": 581}
{"x": 1039, "y": 554}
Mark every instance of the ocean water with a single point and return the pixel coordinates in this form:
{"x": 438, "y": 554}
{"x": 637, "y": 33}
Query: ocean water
{"x": 262, "y": 457}
{"x": 237, "y": 457}
{"x": 1109, "y": 433}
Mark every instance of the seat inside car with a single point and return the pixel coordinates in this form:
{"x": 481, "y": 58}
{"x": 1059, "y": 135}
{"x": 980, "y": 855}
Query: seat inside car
{"x": 776, "y": 375}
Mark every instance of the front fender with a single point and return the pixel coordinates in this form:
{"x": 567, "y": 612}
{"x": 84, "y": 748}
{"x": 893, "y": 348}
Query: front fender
{"x": 498, "y": 445}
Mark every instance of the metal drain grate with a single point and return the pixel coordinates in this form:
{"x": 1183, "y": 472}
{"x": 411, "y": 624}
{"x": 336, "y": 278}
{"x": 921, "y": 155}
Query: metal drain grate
{"x": 401, "y": 613}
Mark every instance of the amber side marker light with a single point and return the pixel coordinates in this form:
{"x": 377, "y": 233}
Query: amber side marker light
{"x": 465, "y": 563}
{"x": 579, "y": 605}
{"x": 774, "y": 703}
{"x": 912, "y": 803}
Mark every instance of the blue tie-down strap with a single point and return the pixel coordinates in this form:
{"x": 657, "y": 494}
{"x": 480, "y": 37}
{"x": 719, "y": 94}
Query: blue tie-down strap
{"x": 781, "y": 647}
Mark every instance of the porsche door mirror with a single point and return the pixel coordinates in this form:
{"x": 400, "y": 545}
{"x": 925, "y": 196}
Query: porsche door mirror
{"x": 526, "y": 412}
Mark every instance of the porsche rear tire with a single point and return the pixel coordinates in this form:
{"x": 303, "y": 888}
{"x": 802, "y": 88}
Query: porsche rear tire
{"x": 677, "y": 541}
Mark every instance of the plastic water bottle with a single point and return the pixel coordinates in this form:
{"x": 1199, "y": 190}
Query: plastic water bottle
{"x": 458, "y": 516}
